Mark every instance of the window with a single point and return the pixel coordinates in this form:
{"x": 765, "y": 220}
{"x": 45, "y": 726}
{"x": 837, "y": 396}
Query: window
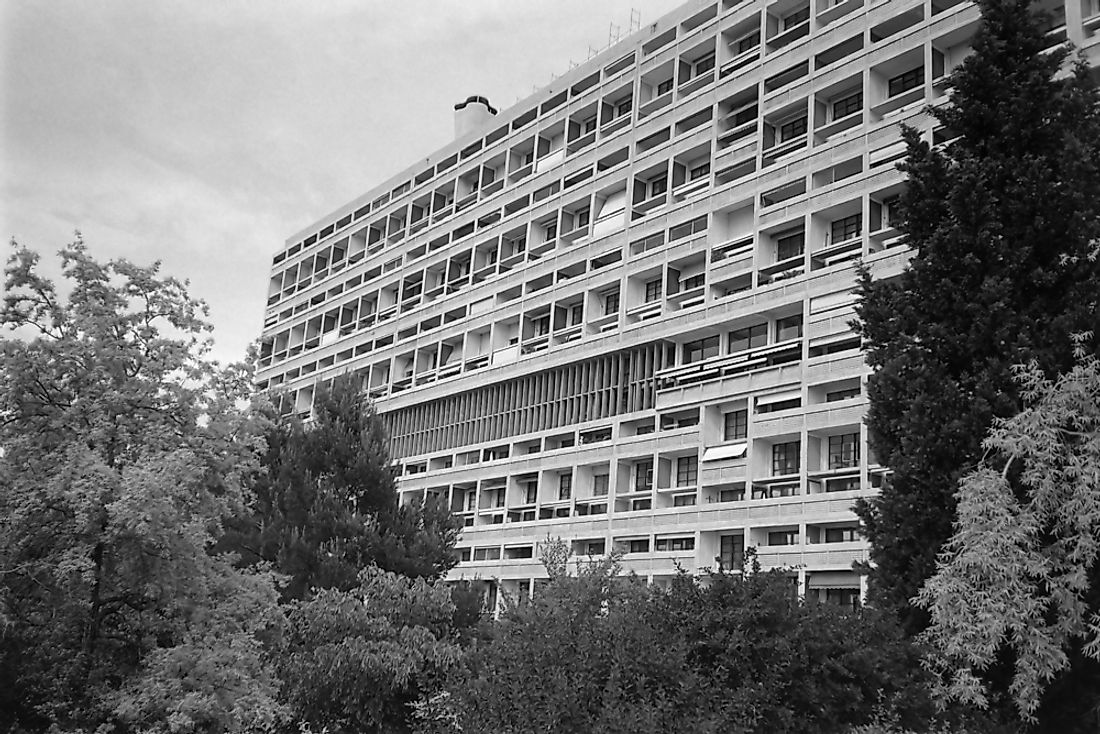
{"x": 786, "y": 458}
{"x": 841, "y": 535}
{"x": 788, "y": 328}
{"x": 594, "y": 548}
{"x": 531, "y": 493}
{"x": 799, "y": 16}
{"x": 664, "y": 87}
{"x": 590, "y": 124}
{"x": 748, "y": 338}
{"x": 600, "y": 483}
{"x": 846, "y": 394}
{"x": 687, "y": 471}
{"x": 847, "y": 105}
{"x": 551, "y": 231}
{"x": 699, "y": 171}
{"x": 736, "y": 425}
{"x": 565, "y": 486}
{"x": 610, "y": 303}
{"x": 641, "y": 505}
{"x": 843, "y": 597}
{"x": 789, "y": 244}
{"x": 792, "y": 129}
{"x": 783, "y": 537}
{"x": 695, "y": 281}
{"x": 487, "y": 554}
{"x": 541, "y": 326}
{"x": 847, "y": 228}
{"x": 583, "y": 217}
{"x": 705, "y": 64}
{"x": 675, "y": 544}
{"x": 904, "y": 82}
{"x": 624, "y": 107}
{"x": 686, "y": 229}
{"x": 576, "y": 314}
{"x": 658, "y": 186}
{"x": 652, "y": 290}
{"x": 639, "y": 546}
{"x": 732, "y": 553}
{"x": 731, "y": 495}
{"x": 683, "y": 500}
{"x": 643, "y": 476}
{"x": 749, "y": 42}
{"x": 844, "y": 451}
{"x": 700, "y": 349}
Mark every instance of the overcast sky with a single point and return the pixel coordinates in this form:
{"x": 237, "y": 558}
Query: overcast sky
{"x": 205, "y": 133}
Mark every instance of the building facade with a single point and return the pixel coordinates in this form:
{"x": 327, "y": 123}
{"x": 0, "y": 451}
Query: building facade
{"x": 618, "y": 312}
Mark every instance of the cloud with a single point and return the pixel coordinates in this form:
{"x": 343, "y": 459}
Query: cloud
{"x": 205, "y": 134}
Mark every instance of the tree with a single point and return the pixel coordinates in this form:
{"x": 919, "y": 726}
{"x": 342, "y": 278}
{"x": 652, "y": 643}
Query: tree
{"x": 1020, "y": 571}
{"x": 326, "y": 505}
{"x": 600, "y": 652}
{"x": 122, "y": 449}
{"x": 1000, "y": 222}
{"x": 357, "y": 660}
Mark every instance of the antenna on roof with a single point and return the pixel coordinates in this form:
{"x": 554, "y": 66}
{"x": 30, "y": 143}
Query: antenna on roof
{"x": 635, "y": 19}
{"x": 614, "y": 33}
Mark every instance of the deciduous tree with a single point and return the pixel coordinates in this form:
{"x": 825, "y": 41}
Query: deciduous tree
{"x": 1021, "y": 570}
{"x": 122, "y": 450}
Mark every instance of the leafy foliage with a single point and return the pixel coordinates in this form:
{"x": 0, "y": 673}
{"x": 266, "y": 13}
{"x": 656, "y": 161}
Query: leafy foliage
{"x": 598, "y": 652}
{"x": 1003, "y": 223}
{"x": 123, "y": 450}
{"x": 1021, "y": 568}
{"x": 356, "y": 660}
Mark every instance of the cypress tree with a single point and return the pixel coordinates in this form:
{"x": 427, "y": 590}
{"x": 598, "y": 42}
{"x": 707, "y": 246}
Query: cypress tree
{"x": 1003, "y": 222}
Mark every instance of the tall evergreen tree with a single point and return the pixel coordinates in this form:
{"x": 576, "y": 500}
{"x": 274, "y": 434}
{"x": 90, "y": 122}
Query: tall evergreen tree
{"x": 1003, "y": 223}
{"x": 326, "y": 505}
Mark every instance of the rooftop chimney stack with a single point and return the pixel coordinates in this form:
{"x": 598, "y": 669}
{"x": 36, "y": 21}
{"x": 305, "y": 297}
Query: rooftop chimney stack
{"x": 472, "y": 114}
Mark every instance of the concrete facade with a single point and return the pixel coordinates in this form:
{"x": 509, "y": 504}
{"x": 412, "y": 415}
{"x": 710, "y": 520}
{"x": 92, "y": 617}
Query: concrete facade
{"x": 617, "y": 312}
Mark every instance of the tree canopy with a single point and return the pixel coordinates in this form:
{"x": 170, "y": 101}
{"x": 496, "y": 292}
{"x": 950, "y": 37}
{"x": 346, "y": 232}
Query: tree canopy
{"x": 1020, "y": 571}
{"x": 1001, "y": 221}
{"x": 122, "y": 450}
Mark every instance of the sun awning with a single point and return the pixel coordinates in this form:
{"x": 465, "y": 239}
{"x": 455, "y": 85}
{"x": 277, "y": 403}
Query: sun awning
{"x": 832, "y": 580}
{"x": 730, "y": 451}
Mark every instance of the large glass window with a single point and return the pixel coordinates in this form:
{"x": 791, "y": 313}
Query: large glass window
{"x": 736, "y": 425}
{"x": 600, "y": 484}
{"x": 844, "y": 451}
{"x": 565, "y": 486}
{"x": 675, "y": 544}
{"x": 652, "y": 290}
{"x": 783, "y": 537}
{"x": 700, "y": 349}
{"x": 841, "y": 535}
{"x": 798, "y": 16}
{"x": 789, "y": 244}
{"x": 904, "y": 82}
{"x": 611, "y": 303}
{"x": 846, "y": 228}
{"x": 788, "y": 328}
{"x": 792, "y": 128}
{"x": 748, "y": 338}
{"x": 732, "y": 553}
{"x": 643, "y": 476}
{"x": 786, "y": 458}
{"x": 847, "y": 105}
{"x": 749, "y": 42}
{"x": 687, "y": 471}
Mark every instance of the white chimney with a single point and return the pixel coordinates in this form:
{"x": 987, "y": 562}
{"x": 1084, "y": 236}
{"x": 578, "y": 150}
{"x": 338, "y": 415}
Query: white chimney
{"x": 472, "y": 114}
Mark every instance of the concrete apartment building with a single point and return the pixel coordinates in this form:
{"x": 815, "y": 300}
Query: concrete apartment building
{"x": 617, "y": 312}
